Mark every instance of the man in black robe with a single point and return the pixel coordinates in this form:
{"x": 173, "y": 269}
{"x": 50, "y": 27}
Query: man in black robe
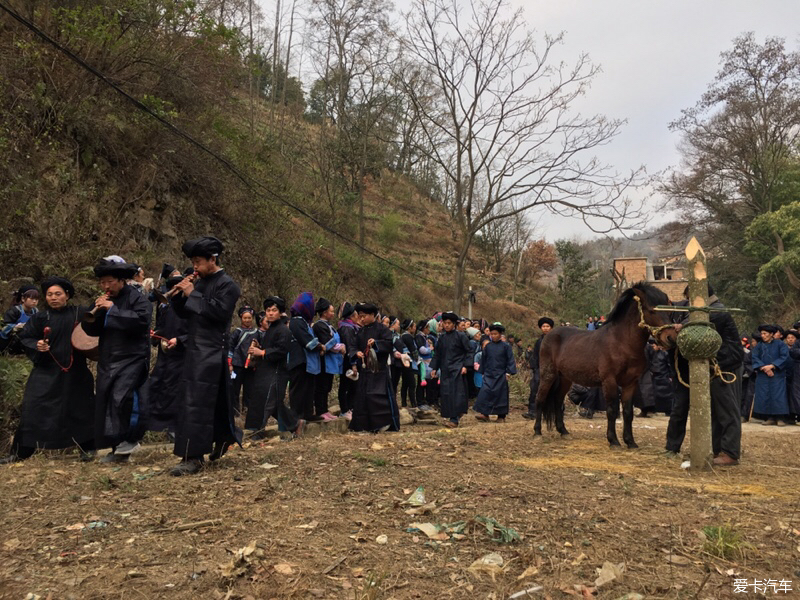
{"x": 545, "y": 324}
{"x": 374, "y": 406}
{"x": 270, "y": 375}
{"x": 122, "y": 322}
{"x": 205, "y": 414}
{"x": 452, "y": 356}
{"x": 497, "y": 362}
{"x": 165, "y": 386}
{"x": 58, "y": 405}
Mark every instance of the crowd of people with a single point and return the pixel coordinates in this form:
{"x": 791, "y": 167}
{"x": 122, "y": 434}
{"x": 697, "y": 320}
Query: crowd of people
{"x": 205, "y": 375}
{"x": 284, "y": 363}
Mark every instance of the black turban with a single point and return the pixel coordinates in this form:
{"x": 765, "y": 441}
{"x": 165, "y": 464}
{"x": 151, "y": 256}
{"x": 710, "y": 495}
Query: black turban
{"x": 115, "y": 266}
{"x": 166, "y": 270}
{"x": 547, "y": 320}
{"x": 768, "y": 328}
{"x": 450, "y": 316}
{"x": 406, "y": 324}
{"x": 367, "y": 308}
{"x": 322, "y": 305}
{"x": 346, "y": 310}
{"x": 497, "y": 327}
{"x": 276, "y": 301}
{"x": 204, "y": 247}
{"x": 245, "y": 309}
{"x": 64, "y": 284}
{"x": 26, "y": 288}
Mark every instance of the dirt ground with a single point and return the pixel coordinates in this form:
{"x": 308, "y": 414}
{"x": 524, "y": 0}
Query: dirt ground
{"x": 304, "y": 518}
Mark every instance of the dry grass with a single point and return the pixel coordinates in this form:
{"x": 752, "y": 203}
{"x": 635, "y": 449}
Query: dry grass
{"x": 315, "y": 518}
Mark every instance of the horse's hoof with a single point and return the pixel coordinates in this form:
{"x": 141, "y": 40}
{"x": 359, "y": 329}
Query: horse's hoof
{"x": 614, "y": 444}
{"x": 564, "y": 433}
{"x": 632, "y": 444}
{"x": 537, "y": 434}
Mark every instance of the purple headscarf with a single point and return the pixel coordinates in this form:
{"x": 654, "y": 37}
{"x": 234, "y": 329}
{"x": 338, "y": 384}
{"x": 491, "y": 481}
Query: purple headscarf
{"x": 304, "y": 306}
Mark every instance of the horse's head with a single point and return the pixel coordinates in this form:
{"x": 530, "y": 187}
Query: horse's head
{"x": 639, "y": 302}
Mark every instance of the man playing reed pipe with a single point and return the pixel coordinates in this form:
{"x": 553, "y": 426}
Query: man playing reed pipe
{"x": 121, "y": 319}
{"x": 205, "y": 413}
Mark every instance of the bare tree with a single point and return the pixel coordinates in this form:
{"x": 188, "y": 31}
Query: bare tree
{"x": 503, "y": 136}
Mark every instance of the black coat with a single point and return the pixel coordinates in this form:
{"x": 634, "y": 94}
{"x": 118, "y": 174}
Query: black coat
{"x": 239, "y": 345}
{"x": 270, "y": 376}
{"x": 347, "y": 334}
{"x": 302, "y": 340}
{"x": 58, "y": 406}
{"x": 411, "y": 345}
{"x": 374, "y": 406}
{"x": 124, "y": 332}
{"x": 165, "y": 386}
{"x": 452, "y": 353}
{"x": 206, "y": 414}
{"x": 794, "y": 389}
{"x": 323, "y": 331}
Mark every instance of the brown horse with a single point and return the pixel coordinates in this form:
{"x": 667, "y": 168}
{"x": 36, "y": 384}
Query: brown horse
{"x": 611, "y": 357}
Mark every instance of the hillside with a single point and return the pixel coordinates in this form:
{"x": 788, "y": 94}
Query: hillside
{"x": 86, "y": 174}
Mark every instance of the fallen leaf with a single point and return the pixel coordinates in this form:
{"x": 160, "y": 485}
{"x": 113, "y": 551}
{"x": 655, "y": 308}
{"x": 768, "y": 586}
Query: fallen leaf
{"x": 267, "y": 466}
{"x": 608, "y": 573}
{"x": 11, "y": 544}
{"x": 311, "y": 525}
{"x": 283, "y": 568}
{"x": 678, "y": 560}
{"x": 491, "y": 563}
{"x": 580, "y": 558}
{"x": 74, "y": 527}
{"x": 376, "y": 446}
{"x": 529, "y": 572}
{"x": 382, "y": 539}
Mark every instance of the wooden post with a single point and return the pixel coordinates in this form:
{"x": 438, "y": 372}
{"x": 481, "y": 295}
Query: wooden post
{"x": 699, "y": 378}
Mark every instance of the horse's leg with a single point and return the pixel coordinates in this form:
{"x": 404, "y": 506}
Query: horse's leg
{"x": 627, "y": 415}
{"x": 611, "y": 394}
{"x": 546, "y": 378}
{"x": 562, "y": 391}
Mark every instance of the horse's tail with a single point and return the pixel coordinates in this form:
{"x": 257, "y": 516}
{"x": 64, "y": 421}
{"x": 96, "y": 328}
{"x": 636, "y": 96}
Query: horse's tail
{"x": 553, "y": 402}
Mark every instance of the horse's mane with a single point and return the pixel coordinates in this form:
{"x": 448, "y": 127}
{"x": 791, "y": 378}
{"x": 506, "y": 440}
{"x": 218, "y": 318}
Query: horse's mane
{"x": 653, "y": 297}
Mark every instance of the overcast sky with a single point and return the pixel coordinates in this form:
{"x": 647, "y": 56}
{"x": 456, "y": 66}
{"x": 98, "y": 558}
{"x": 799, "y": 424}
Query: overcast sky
{"x": 657, "y": 58}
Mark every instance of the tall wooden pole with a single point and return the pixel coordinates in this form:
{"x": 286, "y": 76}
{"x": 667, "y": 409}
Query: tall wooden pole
{"x": 699, "y": 378}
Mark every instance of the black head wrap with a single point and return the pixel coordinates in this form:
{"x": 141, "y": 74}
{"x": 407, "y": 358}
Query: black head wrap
{"x": 321, "y": 305}
{"x": 367, "y": 308}
{"x": 64, "y": 284}
{"x": 245, "y": 309}
{"x": 115, "y": 266}
{"x": 768, "y": 328}
{"x": 547, "y": 320}
{"x": 779, "y": 328}
{"x": 26, "y": 289}
{"x": 166, "y": 270}
{"x": 346, "y": 310}
{"x": 204, "y": 247}
{"x": 450, "y": 316}
{"x": 497, "y": 327}
{"x": 406, "y": 324}
{"x": 276, "y": 301}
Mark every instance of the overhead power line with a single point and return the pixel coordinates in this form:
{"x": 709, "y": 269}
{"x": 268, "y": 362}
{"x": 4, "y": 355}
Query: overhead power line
{"x": 245, "y": 179}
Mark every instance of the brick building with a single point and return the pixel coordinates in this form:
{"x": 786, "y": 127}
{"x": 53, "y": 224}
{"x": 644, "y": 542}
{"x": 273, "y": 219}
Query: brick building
{"x": 666, "y": 273}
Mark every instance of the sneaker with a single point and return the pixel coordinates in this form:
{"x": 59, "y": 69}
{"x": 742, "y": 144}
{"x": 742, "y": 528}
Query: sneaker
{"x": 329, "y": 417}
{"x": 424, "y": 408}
{"x": 113, "y": 457}
{"x": 348, "y": 415}
{"x": 383, "y": 429}
{"x": 770, "y": 422}
{"x": 351, "y": 374}
{"x": 126, "y": 448}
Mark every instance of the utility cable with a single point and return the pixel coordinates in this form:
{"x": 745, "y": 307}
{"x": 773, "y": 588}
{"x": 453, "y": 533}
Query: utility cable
{"x": 246, "y": 180}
